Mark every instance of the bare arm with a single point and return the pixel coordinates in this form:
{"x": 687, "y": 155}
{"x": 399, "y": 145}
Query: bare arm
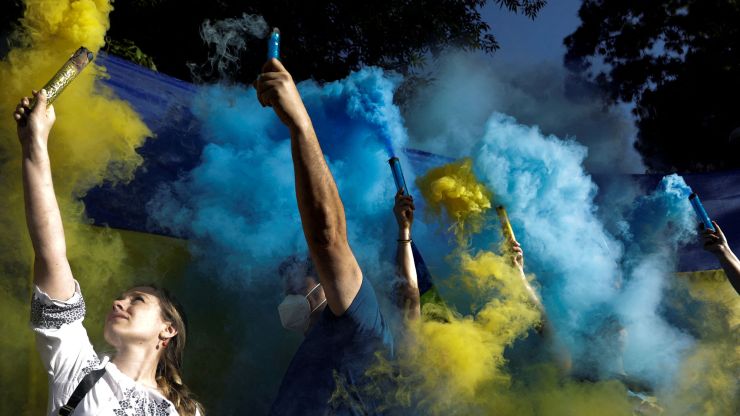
{"x": 518, "y": 259}
{"x": 558, "y": 349}
{"x": 716, "y": 243}
{"x": 51, "y": 271}
{"x": 321, "y": 209}
{"x": 407, "y": 289}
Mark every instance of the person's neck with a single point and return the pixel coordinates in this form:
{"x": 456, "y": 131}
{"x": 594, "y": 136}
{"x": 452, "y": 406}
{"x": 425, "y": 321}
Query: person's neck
{"x": 139, "y": 362}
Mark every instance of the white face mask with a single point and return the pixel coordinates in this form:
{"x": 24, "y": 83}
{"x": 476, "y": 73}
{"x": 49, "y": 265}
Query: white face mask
{"x": 295, "y": 311}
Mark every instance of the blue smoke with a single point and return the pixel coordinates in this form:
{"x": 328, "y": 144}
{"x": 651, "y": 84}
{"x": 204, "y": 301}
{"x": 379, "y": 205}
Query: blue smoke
{"x": 602, "y": 286}
{"x": 659, "y": 224}
{"x": 602, "y": 291}
{"x": 238, "y": 210}
{"x": 240, "y": 201}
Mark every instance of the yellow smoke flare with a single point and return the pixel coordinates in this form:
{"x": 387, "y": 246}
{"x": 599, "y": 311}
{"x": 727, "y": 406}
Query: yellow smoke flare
{"x": 451, "y": 356}
{"x": 461, "y": 354}
{"x": 94, "y": 139}
{"x": 454, "y": 364}
{"x": 454, "y": 189}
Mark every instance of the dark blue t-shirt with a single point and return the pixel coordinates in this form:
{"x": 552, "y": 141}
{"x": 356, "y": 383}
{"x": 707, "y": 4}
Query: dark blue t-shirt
{"x": 333, "y": 358}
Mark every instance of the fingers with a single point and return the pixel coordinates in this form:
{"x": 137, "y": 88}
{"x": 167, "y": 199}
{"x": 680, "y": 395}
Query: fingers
{"x": 268, "y": 84}
{"x": 405, "y": 204}
{"x": 719, "y": 230}
{"x": 518, "y": 253}
{"x": 268, "y": 97}
{"x": 40, "y": 101}
{"x": 255, "y": 84}
{"x": 22, "y": 110}
{"x": 400, "y": 196}
{"x": 712, "y": 237}
{"x": 273, "y": 65}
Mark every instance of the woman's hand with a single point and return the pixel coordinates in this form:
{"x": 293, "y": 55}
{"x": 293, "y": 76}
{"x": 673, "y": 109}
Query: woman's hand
{"x": 34, "y": 125}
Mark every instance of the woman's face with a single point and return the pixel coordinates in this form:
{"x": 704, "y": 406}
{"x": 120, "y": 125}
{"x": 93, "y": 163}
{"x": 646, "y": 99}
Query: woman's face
{"x": 135, "y": 318}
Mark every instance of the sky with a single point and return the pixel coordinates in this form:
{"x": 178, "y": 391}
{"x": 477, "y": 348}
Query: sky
{"x": 526, "y": 41}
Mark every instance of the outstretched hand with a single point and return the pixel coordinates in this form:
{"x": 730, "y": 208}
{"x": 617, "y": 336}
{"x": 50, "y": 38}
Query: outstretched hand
{"x": 404, "y": 211}
{"x": 275, "y": 88}
{"x": 714, "y": 241}
{"x": 33, "y": 126}
{"x": 518, "y": 254}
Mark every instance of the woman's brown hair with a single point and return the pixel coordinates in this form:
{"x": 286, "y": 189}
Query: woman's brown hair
{"x": 169, "y": 378}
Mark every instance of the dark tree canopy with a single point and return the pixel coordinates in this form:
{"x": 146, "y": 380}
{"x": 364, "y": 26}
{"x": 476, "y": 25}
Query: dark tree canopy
{"x": 679, "y": 62}
{"x": 323, "y": 40}
{"x": 11, "y": 12}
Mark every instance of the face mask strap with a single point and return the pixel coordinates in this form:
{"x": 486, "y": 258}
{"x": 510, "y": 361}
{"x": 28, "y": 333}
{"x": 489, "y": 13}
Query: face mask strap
{"x": 312, "y": 290}
{"x": 318, "y": 306}
{"x": 309, "y": 294}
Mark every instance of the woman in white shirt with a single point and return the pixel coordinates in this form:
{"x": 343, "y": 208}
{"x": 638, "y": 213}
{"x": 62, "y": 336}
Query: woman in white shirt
{"x": 146, "y": 326}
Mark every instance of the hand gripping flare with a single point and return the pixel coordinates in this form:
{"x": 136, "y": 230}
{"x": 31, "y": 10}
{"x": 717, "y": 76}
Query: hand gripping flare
{"x": 398, "y": 175}
{"x": 700, "y": 211}
{"x": 66, "y": 74}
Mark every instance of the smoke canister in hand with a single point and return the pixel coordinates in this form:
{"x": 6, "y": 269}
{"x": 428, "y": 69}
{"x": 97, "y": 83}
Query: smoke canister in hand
{"x": 66, "y": 74}
{"x": 700, "y": 211}
{"x": 273, "y": 44}
{"x": 398, "y": 175}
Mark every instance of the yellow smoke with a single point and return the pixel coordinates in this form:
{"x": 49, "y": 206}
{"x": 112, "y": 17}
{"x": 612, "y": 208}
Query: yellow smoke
{"x": 454, "y": 189}
{"x": 94, "y": 139}
{"x": 708, "y": 383}
{"x": 463, "y": 353}
{"x": 453, "y": 355}
{"x": 455, "y": 364}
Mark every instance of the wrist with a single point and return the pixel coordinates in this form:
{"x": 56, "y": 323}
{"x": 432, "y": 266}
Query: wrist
{"x": 35, "y": 149}
{"x": 404, "y": 233}
{"x": 724, "y": 252}
{"x": 300, "y": 126}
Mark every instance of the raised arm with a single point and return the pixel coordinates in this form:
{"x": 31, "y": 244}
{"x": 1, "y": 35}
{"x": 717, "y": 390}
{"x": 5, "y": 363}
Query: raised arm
{"x": 559, "y": 351}
{"x": 716, "y": 243}
{"x": 518, "y": 259}
{"x": 51, "y": 271}
{"x": 321, "y": 209}
{"x": 407, "y": 288}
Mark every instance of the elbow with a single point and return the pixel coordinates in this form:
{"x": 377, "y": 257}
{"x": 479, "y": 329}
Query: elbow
{"x": 327, "y": 229}
{"x": 326, "y": 238}
{"x": 407, "y": 296}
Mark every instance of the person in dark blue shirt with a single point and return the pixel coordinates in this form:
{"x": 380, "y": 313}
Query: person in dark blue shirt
{"x": 337, "y": 350}
{"x": 339, "y": 314}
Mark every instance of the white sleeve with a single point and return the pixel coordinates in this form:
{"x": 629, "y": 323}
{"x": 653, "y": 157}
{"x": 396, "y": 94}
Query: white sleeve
{"x": 61, "y": 339}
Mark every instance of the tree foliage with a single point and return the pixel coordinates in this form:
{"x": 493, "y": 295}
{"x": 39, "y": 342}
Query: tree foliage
{"x": 12, "y": 10}
{"x": 678, "y": 61}
{"x": 321, "y": 39}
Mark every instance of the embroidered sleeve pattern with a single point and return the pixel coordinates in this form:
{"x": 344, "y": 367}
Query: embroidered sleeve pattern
{"x": 52, "y": 315}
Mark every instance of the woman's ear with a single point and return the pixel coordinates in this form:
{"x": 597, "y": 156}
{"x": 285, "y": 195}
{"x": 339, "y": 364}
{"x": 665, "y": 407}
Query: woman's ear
{"x": 168, "y": 332}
